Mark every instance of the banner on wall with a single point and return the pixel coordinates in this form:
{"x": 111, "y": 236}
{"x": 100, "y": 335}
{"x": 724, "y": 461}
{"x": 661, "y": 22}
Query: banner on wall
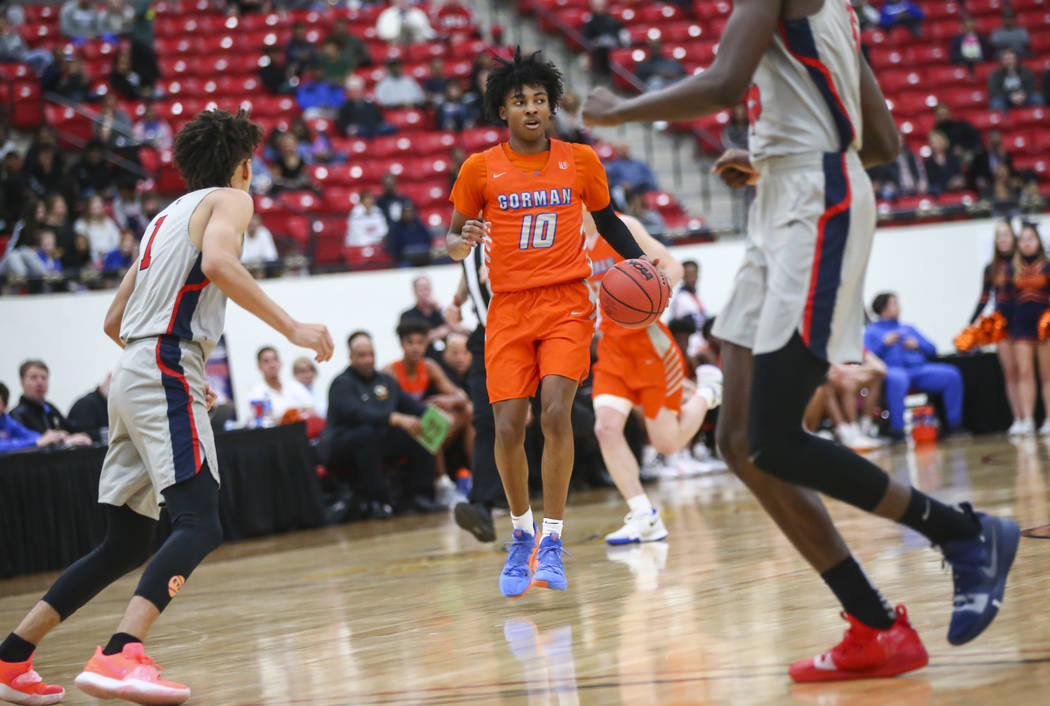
{"x": 217, "y": 373}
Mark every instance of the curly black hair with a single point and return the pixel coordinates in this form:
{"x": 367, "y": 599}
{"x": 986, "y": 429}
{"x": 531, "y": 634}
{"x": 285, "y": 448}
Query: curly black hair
{"x": 209, "y": 147}
{"x": 412, "y": 326}
{"x": 509, "y": 76}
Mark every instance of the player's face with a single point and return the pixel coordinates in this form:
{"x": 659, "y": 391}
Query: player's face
{"x": 527, "y": 112}
{"x": 34, "y": 384}
{"x": 414, "y": 345}
{"x": 363, "y": 356}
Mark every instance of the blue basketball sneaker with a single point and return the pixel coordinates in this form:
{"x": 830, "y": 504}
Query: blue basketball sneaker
{"x": 516, "y": 576}
{"x": 979, "y": 569}
{"x": 549, "y": 572}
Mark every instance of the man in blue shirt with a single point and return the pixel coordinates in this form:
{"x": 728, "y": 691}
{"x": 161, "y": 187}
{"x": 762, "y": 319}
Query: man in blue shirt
{"x": 14, "y": 436}
{"x": 906, "y": 353}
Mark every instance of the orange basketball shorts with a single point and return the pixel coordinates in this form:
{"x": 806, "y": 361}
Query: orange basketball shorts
{"x": 644, "y": 367}
{"x": 532, "y": 333}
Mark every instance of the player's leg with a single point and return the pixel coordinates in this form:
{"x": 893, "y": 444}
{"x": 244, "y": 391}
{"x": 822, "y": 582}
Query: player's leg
{"x": 509, "y": 417}
{"x": 816, "y": 410}
{"x": 1043, "y": 351}
{"x": 1005, "y": 351}
{"x": 1024, "y": 356}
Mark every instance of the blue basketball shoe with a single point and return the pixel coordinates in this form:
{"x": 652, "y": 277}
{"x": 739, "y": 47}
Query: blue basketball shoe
{"x": 979, "y": 569}
{"x": 549, "y": 571}
{"x": 516, "y": 576}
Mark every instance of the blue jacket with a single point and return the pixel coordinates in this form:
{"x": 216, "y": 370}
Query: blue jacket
{"x": 14, "y": 436}
{"x": 897, "y": 356}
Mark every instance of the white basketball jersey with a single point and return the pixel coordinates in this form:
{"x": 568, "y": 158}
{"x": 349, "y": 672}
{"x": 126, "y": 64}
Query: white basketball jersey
{"x": 171, "y": 295}
{"x": 806, "y": 91}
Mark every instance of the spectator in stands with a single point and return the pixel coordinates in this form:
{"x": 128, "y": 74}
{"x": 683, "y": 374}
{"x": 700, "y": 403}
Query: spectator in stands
{"x": 390, "y": 200}
{"x": 15, "y": 437}
{"x": 314, "y": 147}
{"x": 112, "y": 124}
{"x": 457, "y": 358}
{"x": 602, "y": 33}
{"x": 1011, "y": 35}
{"x": 258, "y": 248}
{"x": 428, "y": 310}
{"x": 964, "y": 139}
{"x": 13, "y": 48}
{"x": 290, "y": 171}
{"x": 318, "y": 98}
{"x": 685, "y": 304}
{"x": 901, "y": 12}
{"x": 12, "y": 11}
{"x": 79, "y": 20}
{"x": 1031, "y": 199}
{"x": 358, "y": 116}
{"x": 151, "y": 205}
{"x": 1002, "y": 191}
{"x": 943, "y": 169}
{"x": 285, "y": 396}
{"x": 44, "y": 168}
{"x": 371, "y": 420}
{"x": 397, "y": 90}
{"x": 450, "y": 17}
{"x": 151, "y": 130}
{"x": 143, "y": 56}
{"x": 351, "y": 48}
{"x": 634, "y": 205}
{"x": 92, "y": 173}
{"x": 452, "y": 113}
{"x": 366, "y": 225}
{"x": 68, "y": 79}
{"x": 122, "y": 78}
{"x": 275, "y": 75}
{"x": 1012, "y": 85}
{"x": 37, "y": 414}
{"x": 625, "y": 173}
{"x": 300, "y": 54}
{"x": 405, "y": 23}
{"x": 56, "y": 218}
{"x": 304, "y": 370}
{"x": 567, "y": 121}
{"x": 20, "y": 258}
{"x": 1046, "y": 82}
{"x": 970, "y": 47}
{"x": 436, "y": 82}
{"x": 988, "y": 159}
{"x": 124, "y": 255}
{"x": 734, "y": 134}
{"x": 90, "y": 413}
{"x": 409, "y": 241}
{"x": 867, "y": 15}
{"x": 127, "y": 206}
{"x": 456, "y": 157}
{"x": 479, "y": 75}
{"x": 658, "y": 70}
{"x": 99, "y": 228}
{"x": 332, "y": 64}
{"x": 46, "y": 249}
{"x": 78, "y": 259}
{"x": 14, "y": 191}
{"x": 115, "y": 19}
{"x": 907, "y": 353}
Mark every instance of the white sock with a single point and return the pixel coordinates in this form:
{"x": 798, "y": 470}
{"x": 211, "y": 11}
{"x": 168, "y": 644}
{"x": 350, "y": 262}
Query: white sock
{"x": 640, "y": 505}
{"x": 551, "y": 527}
{"x": 524, "y": 522}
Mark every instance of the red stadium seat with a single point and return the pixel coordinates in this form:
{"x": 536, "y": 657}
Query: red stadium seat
{"x": 960, "y": 98}
{"x": 1040, "y": 164}
{"x": 303, "y": 202}
{"x": 426, "y": 195}
{"x": 480, "y": 138}
{"x": 288, "y": 225}
{"x": 912, "y": 103}
{"x": 407, "y": 119}
{"x": 957, "y": 198}
{"x": 424, "y": 168}
{"x": 432, "y": 143}
{"x": 1017, "y": 142}
{"x": 277, "y": 106}
{"x": 1030, "y": 117}
{"x": 984, "y": 7}
{"x": 366, "y": 256}
{"x": 896, "y": 80}
{"x": 983, "y": 119}
{"x": 940, "y": 77}
{"x": 436, "y": 216}
{"x": 925, "y": 54}
{"x": 338, "y": 200}
{"x": 328, "y": 250}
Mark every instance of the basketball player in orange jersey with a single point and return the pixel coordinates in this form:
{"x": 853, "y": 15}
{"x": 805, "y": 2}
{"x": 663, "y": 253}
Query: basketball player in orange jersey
{"x": 817, "y": 118}
{"x": 642, "y": 367}
{"x": 167, "y": 316}
{"x": 523, "y": 200}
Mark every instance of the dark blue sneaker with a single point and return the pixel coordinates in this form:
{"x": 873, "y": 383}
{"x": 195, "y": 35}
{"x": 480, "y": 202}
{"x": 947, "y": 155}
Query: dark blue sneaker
{"x": 549, "y": 571}
{"x": 516, "y": 576}
{"x": 979, "y": 569}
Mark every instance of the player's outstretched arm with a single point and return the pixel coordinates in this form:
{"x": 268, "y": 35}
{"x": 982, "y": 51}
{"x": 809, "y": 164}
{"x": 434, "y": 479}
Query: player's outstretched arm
{"x": 115, "y": 314}
{"x": 655, "y": 250}
{"x": 464, "y": 234}
{"x": 740, "y": 48}
{"x": 882, "y": 141}
{"x": 231, "y": 210}
{"x": 616, "y": 233}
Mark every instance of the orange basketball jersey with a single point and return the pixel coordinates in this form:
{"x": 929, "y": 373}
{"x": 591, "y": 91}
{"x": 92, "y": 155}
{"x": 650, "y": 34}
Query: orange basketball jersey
{"x": 534, "y": 205}
{"x": 416, "y": 387}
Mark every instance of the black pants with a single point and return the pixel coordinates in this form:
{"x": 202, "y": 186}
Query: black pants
{"x": 487, "y": 487}
{"x": 383, "y": 464}
{"x": 144, "y": 62}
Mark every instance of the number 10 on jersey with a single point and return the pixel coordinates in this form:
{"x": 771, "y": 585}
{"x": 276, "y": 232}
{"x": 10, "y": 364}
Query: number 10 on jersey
{"x": 538, "y": 231}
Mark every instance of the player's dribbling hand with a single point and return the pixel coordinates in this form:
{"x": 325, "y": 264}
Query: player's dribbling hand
{"x": 475, "y": 231}
{"x": 734, "y": 166}
{"x": 599, "y": 108}
{"x": 210, "y": 396}
{"x": 314, "y": 337}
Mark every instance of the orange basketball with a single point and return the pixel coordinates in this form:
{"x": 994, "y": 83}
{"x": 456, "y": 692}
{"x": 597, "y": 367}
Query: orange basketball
{"x": 634, "y": 293}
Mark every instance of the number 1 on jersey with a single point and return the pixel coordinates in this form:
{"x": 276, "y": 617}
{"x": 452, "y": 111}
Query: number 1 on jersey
{"x": 148, "y": 252}
{"x": 539, "y": 230}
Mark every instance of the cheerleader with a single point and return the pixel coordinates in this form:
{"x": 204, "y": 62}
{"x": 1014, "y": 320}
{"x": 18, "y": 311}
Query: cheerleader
{"x": 1031, "y": 299}
{"x": 999, "y": 279}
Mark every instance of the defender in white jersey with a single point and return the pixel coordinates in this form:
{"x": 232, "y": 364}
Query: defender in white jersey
{"x": 817, "y": 118}
{"x": 167, "y": 315}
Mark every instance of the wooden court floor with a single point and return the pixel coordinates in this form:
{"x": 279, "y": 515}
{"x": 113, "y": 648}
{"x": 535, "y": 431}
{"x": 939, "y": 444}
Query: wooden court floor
{"x": 408, "y": 611}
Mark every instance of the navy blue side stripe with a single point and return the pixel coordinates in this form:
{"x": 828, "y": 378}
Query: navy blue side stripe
{"x": 798, "y": 37}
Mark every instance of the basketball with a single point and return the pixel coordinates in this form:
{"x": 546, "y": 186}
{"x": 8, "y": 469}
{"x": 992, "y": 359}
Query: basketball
{"x": 634, "y": 293}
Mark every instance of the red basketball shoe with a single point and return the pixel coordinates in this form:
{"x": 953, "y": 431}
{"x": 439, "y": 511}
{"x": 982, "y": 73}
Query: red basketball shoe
{"x": 20, "y": 684}
{"x": 130, "y": 675}
{"x": 866, "y": 653}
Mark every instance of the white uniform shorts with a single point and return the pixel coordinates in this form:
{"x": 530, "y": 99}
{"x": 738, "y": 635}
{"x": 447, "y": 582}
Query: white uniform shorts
{"x": 809, "y": 236}
{"x": 159, "y": 430}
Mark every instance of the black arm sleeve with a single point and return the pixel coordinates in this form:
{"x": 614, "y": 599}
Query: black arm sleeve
{"x": 616, "y": 233}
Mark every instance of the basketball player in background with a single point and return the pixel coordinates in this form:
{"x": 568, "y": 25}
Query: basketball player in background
{"x": 524, "y": 200}
{"x": 796, "y": 307}
{"x": 167, "y": 315}
{"x": 642, "y": 367}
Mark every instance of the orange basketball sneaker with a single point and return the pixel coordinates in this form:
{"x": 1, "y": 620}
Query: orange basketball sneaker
{"x": 130, "y": 675}
{"x": 20, "y": 684}
{"x": 866, "y": 653}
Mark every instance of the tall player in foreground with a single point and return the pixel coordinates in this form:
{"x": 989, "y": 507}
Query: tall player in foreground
{"x": 796, "y": 306}
{"x": 642, "y": 367}
{"x": 523, "y": 200}
{"x": 167, "y": 315}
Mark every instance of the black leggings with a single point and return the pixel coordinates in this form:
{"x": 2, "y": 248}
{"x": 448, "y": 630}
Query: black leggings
{"x": 193, "y": 506}
{"x": 783, "y": 383}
